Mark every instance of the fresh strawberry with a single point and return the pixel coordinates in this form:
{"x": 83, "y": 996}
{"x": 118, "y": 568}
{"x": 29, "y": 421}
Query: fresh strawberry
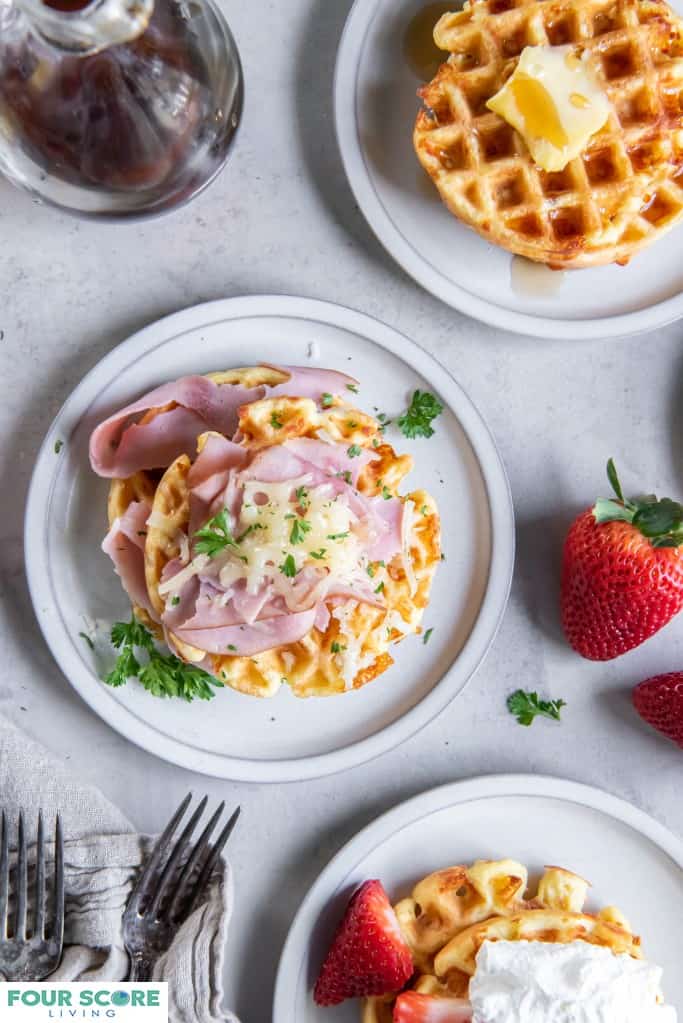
{"x": 622, "y": 574}
{"x": 659, "y": 701}
{"x": 413, "y": 1008}
{"x": 368, "y": 955}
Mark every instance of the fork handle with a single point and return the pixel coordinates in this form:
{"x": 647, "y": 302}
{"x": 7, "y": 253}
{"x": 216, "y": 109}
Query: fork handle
{"x": 140, "y": 968}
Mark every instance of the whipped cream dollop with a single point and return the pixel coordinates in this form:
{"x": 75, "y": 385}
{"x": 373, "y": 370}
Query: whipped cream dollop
{"x": 539, "y": 982}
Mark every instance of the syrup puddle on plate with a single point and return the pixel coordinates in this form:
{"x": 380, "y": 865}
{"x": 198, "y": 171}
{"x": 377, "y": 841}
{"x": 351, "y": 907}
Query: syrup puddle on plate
{"x": 422, "y": 55}
{"x": 534, "y": 280}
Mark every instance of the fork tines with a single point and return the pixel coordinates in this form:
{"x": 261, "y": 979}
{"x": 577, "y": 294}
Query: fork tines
{"x": 34, "y": 924}
{"x": 175, "y": 877}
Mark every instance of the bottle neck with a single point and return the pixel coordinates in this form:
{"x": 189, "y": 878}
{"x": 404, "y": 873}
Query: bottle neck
{"x": 90, "y": 28}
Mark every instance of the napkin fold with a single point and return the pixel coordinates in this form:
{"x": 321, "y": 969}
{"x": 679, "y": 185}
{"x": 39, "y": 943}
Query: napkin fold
{"x": 102, "y": 857}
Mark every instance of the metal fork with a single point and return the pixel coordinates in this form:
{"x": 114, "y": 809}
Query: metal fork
{"x": 30, "y": 953}
{"x": 170, "y": 886}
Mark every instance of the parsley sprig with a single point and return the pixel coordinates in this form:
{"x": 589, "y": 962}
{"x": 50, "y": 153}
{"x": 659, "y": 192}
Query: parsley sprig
{"x": 216, "y": 535}
{"x": 526, "y": 707}
{"x": 162, "y": 675}
{"x": 299, "y": 529}
{"x": 417, "y": 419}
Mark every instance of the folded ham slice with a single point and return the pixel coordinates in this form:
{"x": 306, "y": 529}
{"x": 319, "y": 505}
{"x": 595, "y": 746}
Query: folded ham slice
{"x": 121, "y": 445}
{"x": 125, "y": 544}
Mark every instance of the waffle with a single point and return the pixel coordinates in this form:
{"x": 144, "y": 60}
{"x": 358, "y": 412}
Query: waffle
{"x": 309, "y": 666}
{"x": 622, "y": 193}
{"x": 452, "y": 912}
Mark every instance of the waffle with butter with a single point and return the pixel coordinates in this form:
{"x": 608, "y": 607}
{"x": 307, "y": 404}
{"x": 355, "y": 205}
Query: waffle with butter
{"x": 452, "y": 912}
{"x": 311, "y": 666}
{"x": 623, "y": 192}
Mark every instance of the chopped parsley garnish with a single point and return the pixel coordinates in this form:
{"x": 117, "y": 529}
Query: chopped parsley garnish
{"x": 59, "y": 444}
{"x": 302, "y": 498}
{"x": 352, "y": 387}
{"x": 327, "y": 400}
{"x": 527, "y": 706}
{"x": 337, "y": 536}
{"x": 427, "y": 635}
{"x": 346, "y": 476}
{"x": 351, "y": 423}
{"x": 318, "y": 555}
{"x": 288, "y": 566}
{"x": 216, "y": 535}
{"x": 175, "y": 601}
{"x": 337, "y": 648}
{"x": 379, "y": 588}
{"x": 232, "y": 647}
{"x": 276, "y": 421}
{"x": 354, "y": 451}
{"x": 386, "y": 493}
{"x": 417, "y": 419}
{"x": 371, "y": 571}
{"x": 424, "y": 510}
{"x": 384, "y": 421}
{"x": 162, "y": 675}
{"x": 299, "y": 529}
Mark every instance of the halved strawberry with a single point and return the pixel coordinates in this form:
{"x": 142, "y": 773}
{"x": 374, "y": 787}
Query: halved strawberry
{"x": 622, "y": 572}
{"x": 659, "y": 701}
{"x": 368, "y": 955}
{"x": 413, "y": 1008}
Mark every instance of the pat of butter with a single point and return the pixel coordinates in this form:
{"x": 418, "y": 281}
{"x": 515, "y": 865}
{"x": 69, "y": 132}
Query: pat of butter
{"x": 555, "y": 101}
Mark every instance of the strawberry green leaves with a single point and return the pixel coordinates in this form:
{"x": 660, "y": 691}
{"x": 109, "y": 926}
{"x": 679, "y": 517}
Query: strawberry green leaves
{"x": 660, "y": 520}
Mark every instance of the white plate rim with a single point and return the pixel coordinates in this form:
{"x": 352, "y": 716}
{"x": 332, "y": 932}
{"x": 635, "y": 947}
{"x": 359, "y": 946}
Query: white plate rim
{"x": 291, "y": 769}
{"x": 659, "y": 314}
{"x": 423, "y": 805}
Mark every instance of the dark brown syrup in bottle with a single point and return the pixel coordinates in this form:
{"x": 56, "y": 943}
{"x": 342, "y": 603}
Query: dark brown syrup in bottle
{"x": 122, "y": 118}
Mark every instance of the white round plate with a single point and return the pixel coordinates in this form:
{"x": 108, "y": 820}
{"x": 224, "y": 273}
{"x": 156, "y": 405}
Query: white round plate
{"x": 284, "y": 739}
{"x": 631, "y": 860}
{"x": 375, "y": 109}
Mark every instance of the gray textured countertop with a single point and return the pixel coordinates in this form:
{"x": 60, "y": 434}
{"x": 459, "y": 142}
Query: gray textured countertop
{"x": 281, "y": 219}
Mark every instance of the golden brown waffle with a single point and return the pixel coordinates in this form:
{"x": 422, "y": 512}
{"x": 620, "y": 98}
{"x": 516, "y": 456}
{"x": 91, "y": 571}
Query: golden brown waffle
{"x": 310, "y": 667}
{"x": 452, "y": 912}
{"x": 626, "y": 188}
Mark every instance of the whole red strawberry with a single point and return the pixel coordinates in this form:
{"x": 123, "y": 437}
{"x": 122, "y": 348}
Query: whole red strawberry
{"x": 368, "y": 955}
{"x": 659, "y": 701}
{"x": 622, "y": 573}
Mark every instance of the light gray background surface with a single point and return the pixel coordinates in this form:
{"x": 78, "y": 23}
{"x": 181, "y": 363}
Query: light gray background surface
{"x": 281, "y": 219}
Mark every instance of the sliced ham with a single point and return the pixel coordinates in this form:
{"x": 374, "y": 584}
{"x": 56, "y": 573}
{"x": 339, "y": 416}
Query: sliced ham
{"x": 210, "y": 476}
{"x": 247, "y": 640}
{"x": 311, "y": 382}
{"x": 121, "y": 446}
{"x": 125, "y": 545}
{"x": 332, "y": 459}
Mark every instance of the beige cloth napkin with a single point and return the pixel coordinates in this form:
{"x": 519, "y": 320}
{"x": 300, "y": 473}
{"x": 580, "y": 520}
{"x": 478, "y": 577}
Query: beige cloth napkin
{"x": 102, "y": 854}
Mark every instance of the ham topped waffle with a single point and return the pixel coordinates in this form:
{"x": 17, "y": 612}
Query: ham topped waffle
{"x": 257, "y": 526}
